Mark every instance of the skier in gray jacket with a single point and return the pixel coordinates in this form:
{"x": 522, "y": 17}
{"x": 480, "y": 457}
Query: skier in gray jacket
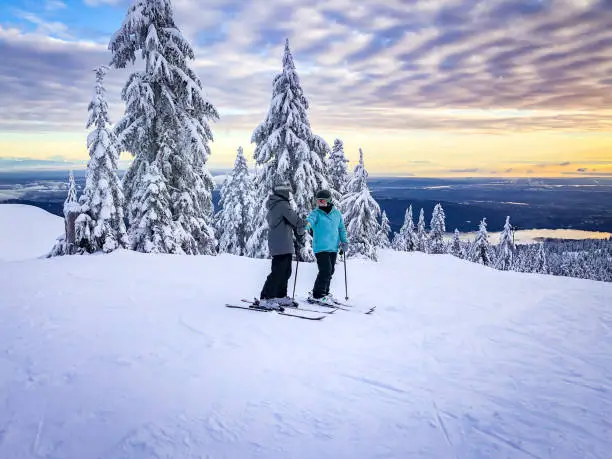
{"x": 283, "y": 223}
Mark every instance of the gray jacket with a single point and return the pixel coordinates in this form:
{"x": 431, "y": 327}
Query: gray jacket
{"x": 282, "y": 222}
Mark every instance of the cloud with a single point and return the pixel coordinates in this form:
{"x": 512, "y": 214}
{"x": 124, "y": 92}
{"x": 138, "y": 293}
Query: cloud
{"x": 101, "y": 2}
{"x": 590, "y": 174}
{"x": 474, "y": 169}
{"x": 35, "y": 190}
{"x": 565, "y": 163}
{"x": 44, "y": 27}
{"x": 56, "y": 162}
{"x": 53, "y": 5}
{"x": 582, "y": 169}
{"x": 11, "y": 163}
{"x": 532, "y": 66}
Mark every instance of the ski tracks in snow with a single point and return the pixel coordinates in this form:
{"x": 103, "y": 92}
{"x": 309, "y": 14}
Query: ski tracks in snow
{"x": 442, "y": 427}
{"x": 179, "y": 436}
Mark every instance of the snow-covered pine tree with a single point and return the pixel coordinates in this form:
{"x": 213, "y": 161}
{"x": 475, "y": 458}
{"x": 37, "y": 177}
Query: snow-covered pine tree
{"x": 421, "y": 236}
{"x": 437, "y": 230}
{"x": 455, "y": 248}
{"x": 71, "y": 209}
{"x": 257, "y": 244}
{"x": 522, "y": 261}
{"x": 165, "y": 127}
{"x": 383, "y": 232}
{"x": 235, "y": 219}
{"x": 287, "y": 149}
{"x": 155, "y": 232}
{"x": 406, "y": 239}
{"x": 481, "y": 249}
{"x": 337, "y": 170}
{"x": 71, "y": 203}
{"x": 506, "y": 247}
{"x": 100, "y": 227}
{"x": 541, "y": 266}
{"x": 361, "y": 213}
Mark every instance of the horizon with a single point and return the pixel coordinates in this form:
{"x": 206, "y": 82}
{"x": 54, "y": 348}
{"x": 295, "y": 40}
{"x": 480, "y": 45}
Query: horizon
{"x": 413, "y": 85}
{"x": 81, "y": 167}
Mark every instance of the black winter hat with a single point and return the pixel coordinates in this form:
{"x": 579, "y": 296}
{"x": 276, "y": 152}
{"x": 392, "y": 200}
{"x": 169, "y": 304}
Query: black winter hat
{"x": 324, "y": 194}
{"x": 282, "y": 186}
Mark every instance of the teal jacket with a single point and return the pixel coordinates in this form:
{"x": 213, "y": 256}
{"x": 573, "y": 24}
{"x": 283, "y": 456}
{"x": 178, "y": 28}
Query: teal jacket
{"x": 328, "y": 230}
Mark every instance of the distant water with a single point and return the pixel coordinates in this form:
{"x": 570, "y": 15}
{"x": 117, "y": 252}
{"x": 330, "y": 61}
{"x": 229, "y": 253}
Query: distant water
{"x": 552, "y": 204}
{"x": 537, "y": 235}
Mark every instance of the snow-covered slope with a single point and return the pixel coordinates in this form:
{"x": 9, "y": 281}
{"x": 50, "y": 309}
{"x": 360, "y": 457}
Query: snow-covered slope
{"x": 27, "y": 231}
{"x": 135, "y": 356}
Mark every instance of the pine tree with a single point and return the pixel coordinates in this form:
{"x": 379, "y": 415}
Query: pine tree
{"x": 437, "y": 230}
{"x": 481, "y": 249}
{"x": 71, "y": 203}
{"x": 165, "y": 127}
{"x": 337, "y": 170}
{"x": 421, "y": 237}
{"x": 156, "y": 231}
{"x": 235, "y": 219}
{"x": 406, "y": 239}
{"x": 383, "y": 232}
{"x": 361, "y": 212}
{"x": 257, "y": 243}
{"x": 287, "y": 150}
{"x": 71, "y": 206}
{"x": 506, "y": 247}
{"x": 456, "y": 248}
{"x": 541, "y": 266}
{"x": 102, "y": 199}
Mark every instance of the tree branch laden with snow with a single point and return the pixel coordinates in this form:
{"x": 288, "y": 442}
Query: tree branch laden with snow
{"x": 234, "y": 222}
{"x": 166, "y": 128}
{"x": 361, "y": 214}
{"x": 287, "y": 150}
{"x": 100, "y": 226}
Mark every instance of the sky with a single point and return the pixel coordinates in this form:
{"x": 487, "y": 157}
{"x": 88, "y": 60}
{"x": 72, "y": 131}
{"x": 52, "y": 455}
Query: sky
{"x": 430, "y": 88}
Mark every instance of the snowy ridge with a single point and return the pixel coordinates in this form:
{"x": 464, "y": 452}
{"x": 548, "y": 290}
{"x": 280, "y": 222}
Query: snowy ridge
{"x": 27, "y": 232}
{"x": 132, "y": 355}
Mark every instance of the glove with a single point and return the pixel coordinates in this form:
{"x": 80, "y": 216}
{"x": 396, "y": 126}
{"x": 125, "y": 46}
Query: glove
{"x": 343, "y": 247}
{"x": 298, "y": 245}
{"x": 300, "y": 240}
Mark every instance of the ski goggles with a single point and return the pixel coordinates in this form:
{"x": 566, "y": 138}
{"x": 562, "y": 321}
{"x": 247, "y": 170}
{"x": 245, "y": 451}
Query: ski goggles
{"x": 322, "y": 202}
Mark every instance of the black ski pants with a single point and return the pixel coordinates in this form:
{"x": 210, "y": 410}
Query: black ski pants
{"x": 326, "y": 261}
{"x": 276, "y": 283}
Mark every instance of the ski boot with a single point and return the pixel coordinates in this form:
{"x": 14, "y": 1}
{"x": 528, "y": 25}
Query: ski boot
{"x": 324, "y": 300}
{"x": 270, "y": 303}
{"x": 287, "y": 302}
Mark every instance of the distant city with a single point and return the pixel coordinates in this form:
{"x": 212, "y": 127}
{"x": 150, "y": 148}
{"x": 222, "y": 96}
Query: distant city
{"x": 575, "y": 204}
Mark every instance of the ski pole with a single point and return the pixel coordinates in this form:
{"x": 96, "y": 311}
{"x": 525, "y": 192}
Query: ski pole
{"x": 297, "y": 264}
{"x": 345, "y": 281}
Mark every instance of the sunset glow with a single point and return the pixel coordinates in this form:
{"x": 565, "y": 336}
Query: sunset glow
{"x": 435, "y": 89}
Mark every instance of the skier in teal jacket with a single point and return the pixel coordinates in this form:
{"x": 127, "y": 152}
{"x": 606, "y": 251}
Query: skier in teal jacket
{"x": 329, "y": 233}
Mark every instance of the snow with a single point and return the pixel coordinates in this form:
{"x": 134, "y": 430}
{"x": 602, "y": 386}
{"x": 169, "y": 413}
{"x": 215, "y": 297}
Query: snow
{"x": 533, "y": 236}
{"x": 132, "y": 355}
{"x": 27, "y": 232}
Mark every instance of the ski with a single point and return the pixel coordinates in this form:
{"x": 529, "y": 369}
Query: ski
{"x": 296, "y": 307}
{"x": 282, "y": 313}
{"x": 338, "y": 303}
{"x": 325, "y": 305}
{"x": 342, "y": 306}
